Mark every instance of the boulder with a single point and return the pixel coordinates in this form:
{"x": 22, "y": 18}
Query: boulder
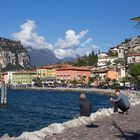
{"x": 28, "y": 136}
{"x": 40, "y": 134}
{"x": 56, "y": 128}
{"x": 84, "y": 120}
{"x": 5, "y": 137}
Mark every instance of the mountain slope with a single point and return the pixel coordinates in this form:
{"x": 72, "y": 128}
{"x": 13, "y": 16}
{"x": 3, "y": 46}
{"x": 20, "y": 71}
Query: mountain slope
{"x": 41, "y": 57}
{"x": 13, "y": 55}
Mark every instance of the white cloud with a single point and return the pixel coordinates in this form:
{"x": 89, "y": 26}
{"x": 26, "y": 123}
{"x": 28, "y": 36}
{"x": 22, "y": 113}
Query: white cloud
{"x": 71, "y": 41}
{"x": 86, "y": 42}
{"x": 29, "y": 38}
{"x": 72, "y": 45}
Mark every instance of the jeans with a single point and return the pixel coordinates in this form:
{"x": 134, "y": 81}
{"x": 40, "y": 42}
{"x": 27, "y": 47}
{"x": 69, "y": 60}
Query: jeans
{"x": 120, "y": 106}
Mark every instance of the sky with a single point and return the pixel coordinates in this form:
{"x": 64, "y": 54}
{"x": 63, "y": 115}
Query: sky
{"x": 69, "y": 27}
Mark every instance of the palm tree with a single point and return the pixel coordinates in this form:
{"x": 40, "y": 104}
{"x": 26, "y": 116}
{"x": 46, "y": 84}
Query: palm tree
{"x": 137, "y": 19}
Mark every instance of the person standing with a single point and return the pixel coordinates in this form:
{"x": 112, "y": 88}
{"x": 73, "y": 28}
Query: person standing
{"x": 121, "y": 102}
{"x": 85, "y": 106}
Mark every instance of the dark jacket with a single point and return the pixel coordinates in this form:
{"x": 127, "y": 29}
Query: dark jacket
{"x": 85, "y": 107}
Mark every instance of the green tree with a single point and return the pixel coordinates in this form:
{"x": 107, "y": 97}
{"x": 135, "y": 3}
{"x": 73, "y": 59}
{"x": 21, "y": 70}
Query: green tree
{"x": 111, "y": 53}
{"x": 124, "y": 80}
{"x": 74, "y": 82}
{"x": 135, "y": 74}
{"x": 108, "y": 80}
{"x": 91, "y": 80}
{"x": 37, "y": 81}
{"x": 89, "y": 60}
{"x": 83, "y": 79}
{"x": 108, "y": 63}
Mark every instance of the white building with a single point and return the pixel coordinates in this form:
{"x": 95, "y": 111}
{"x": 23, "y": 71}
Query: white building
{"x": 10, "y": 76}
{"x": 103, "y": 58}
{"x": 133, "y": 58}
{"x": 121, "y": 72}
{"x": 121, "y": 51}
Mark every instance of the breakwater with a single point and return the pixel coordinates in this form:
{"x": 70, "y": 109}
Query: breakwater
{"x": 62, "y": 89}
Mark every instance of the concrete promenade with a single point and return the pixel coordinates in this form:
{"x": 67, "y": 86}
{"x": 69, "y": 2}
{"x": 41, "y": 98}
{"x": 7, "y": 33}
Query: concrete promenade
{"x": 114, "y": 127}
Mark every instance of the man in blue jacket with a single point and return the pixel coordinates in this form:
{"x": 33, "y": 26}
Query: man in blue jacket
{"x": 121, "y": 102}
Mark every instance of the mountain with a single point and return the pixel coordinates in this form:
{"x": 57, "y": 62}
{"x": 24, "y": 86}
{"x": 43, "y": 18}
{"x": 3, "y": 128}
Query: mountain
{"x": 13, "y": 55}
{"x": 41, "y": 57}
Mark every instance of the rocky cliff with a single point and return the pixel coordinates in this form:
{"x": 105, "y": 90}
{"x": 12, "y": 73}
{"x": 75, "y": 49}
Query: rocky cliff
{"x": 13, "y": 55}
{"x": 131, "y": 45}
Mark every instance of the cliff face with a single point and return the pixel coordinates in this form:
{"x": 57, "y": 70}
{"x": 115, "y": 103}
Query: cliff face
{"x": 13, "y": 55}
{"x": 132, "y": 45}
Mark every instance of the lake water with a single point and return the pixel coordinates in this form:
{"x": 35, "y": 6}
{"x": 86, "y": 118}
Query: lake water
{"x": 30, "y": 110}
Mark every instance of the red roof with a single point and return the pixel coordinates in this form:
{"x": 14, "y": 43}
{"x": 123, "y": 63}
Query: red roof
{"x": 25, "y": 72}
{"x": 74, "y": 68}
{"x": 133, "y": 54}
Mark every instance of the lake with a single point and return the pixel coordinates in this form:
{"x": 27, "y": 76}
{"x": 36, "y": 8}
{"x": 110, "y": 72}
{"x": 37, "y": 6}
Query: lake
{"x": 30, "y": 110}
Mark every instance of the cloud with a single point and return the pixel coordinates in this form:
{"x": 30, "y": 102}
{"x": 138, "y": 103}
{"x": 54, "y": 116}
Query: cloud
{"x": 80, "y": 51}
{"x": 29, "y": 38}
{"x": 74, "y": 44}
{"x": 86, "y": 42}
{"x": 71, "y": 45}
{"x": 71, "y": 41}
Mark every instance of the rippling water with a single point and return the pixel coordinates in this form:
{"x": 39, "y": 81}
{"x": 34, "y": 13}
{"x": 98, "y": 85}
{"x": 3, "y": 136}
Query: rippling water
{"x": 29, "y": 110}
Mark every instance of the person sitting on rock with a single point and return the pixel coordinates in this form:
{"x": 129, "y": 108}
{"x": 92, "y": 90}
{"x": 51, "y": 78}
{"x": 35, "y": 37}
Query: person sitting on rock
{"x": 121, "y": 102}
{"x": 85, "y": 106}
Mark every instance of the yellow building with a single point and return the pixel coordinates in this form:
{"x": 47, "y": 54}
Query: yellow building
{"x": 23, "y": 77}
{"x": 112, "y": 74}
{"x": 46, "y": 72}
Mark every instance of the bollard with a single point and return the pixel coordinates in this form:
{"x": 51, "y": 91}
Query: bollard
{"x": 3, "y": 93}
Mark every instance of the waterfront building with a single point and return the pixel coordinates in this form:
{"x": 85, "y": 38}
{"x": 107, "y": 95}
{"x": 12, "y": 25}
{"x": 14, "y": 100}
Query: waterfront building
{"x": 133, "y": 58}
{"x": 70, "y": 73}
{"x": 112, "y": 74}
{"x": 46, "y": 72}
{"x": 23, "y": 77}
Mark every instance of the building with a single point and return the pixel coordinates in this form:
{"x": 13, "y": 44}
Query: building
{"x": 133, "y": 58}
{"x": 103, "y": 59}
{"x": 121, "y": 51}
{"x": 70, "y": 73}
{"x": 114, "y": 49}
{"x": 23, "y": 77}
{"x": 121, "y": 72}
{"x": 46, "y": 72}
{"x": 112, "y": 74}
{"x": 100, "y": 73}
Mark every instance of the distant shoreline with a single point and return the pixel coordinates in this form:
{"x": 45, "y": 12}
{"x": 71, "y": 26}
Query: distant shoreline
{"x": 87, "y": 90}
